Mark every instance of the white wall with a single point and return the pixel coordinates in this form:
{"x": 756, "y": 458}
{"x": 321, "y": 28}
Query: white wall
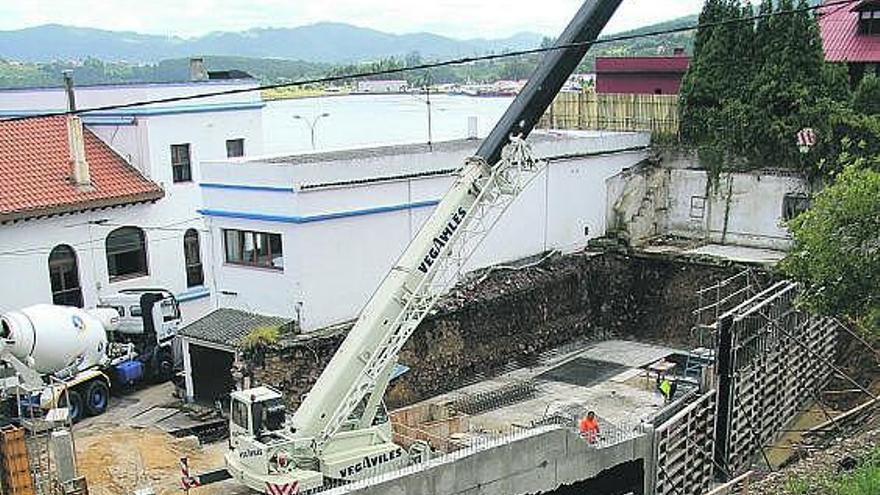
{"x": 31, "y": 99}
{"x": 744, "y": 208}
{"x": 143, "y": 136}
{"x": 332, "y": 266}
{"x": 25, "y": 248}
{"x": 753, "y": 212}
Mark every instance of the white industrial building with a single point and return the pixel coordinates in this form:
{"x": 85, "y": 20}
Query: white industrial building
{"x": 382, "y": 86}
{"x": 165, "y": 143}
{"x": 309, "y": 237}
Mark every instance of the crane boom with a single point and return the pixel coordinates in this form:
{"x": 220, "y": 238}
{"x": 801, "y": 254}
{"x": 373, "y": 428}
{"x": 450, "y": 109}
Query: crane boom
{"x": 334, "y": 432}
{"x": 399, "y": 304}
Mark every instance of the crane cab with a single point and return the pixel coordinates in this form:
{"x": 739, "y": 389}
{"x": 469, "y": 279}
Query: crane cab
{"x": 262, "y": 451}
{"x": 257, "y": 412}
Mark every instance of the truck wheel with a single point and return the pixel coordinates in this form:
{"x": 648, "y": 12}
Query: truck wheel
{"x": 97, "y": 397}
{"x": 75, "y": 407}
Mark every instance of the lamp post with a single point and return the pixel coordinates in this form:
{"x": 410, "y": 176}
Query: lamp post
{"x": 311, "y": 123}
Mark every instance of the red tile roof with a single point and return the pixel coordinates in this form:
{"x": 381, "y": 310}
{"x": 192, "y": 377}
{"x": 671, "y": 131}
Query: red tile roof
{"x": 642, "y": 64}
{"x": 35, "y": 172}
{"x": 840, "y": 35}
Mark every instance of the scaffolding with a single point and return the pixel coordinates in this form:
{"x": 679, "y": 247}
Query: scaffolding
{"x": 712, "y": 302}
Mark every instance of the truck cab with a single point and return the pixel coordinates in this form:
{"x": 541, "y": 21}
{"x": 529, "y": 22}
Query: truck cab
{"x": 148, "y": 318}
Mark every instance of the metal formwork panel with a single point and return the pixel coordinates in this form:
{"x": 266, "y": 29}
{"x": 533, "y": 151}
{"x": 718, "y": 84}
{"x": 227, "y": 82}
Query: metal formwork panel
{"x": 684, "y": 448}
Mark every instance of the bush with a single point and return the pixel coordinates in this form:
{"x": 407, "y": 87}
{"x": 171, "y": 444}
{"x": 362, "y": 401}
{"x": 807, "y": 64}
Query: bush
{"x": 837, "y": 248}
{"x": 261, "y": 337}
{"x": 867, "y": 97}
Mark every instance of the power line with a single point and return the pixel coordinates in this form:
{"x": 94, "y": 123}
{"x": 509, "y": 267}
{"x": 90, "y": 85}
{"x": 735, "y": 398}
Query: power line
{"x": 445, "y": 63}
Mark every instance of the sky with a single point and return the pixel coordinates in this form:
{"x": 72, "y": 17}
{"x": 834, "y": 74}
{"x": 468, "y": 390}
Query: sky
{"x": 455, "y": 18}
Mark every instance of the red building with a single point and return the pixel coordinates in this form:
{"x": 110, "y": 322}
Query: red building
{"x": 641, "y": 75}
{"x": 851, "y": 35}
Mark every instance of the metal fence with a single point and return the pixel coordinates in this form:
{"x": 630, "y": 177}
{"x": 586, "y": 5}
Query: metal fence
{"x": 614, "y": 112}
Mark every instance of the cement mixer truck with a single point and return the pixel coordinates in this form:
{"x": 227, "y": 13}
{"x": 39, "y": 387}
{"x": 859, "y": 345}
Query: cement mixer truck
{"x": 61, "y": 356}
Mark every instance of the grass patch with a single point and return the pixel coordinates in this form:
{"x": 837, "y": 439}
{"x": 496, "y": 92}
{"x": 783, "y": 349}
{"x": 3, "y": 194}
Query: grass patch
{"x": 864, "y": 480}
{"x": 261, "y": 337}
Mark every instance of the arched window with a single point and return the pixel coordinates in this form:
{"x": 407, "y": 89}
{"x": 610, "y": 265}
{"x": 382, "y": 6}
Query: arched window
{"x": 126, "y": 253}
{"x": 64, "y": 277}
{"x": 193, "y": 259}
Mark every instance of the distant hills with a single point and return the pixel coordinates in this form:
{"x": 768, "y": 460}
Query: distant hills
{"x": 37, "y": 56}
{"x": 323, "y": 43}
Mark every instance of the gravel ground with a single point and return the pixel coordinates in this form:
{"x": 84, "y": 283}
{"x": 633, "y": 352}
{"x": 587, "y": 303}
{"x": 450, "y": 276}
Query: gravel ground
{"x": 819, "y": 465}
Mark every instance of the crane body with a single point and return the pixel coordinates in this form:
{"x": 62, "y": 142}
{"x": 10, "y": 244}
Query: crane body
{"x": 341, "y": 431}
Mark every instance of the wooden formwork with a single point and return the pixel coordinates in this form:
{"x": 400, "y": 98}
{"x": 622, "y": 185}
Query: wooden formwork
{"x": 14, "y": 462}
{"x": 431, "y": 423}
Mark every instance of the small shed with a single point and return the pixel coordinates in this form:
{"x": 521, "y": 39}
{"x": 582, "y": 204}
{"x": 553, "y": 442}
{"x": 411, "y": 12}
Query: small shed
{"x": 211, "y": 347}
{"x": 641, "y": 75}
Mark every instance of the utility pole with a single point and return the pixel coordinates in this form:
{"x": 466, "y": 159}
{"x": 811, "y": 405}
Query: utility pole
{"x": 428, "y": 102}
{"x": 311, "y": 123}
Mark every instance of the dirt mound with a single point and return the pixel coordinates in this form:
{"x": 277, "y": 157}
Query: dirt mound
{"x": 118, "y": 460}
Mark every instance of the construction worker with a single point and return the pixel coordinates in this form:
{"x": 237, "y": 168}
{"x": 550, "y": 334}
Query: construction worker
{"x": 589, "y": 427}
{"x": 665, "y": 387}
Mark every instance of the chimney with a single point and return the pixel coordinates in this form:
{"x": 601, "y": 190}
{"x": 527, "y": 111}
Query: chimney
{"x": 197, "y": 71}
{"x": 75, "y": 140}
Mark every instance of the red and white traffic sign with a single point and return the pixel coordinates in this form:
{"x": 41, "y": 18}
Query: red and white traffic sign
{"x": 806, "y": 139}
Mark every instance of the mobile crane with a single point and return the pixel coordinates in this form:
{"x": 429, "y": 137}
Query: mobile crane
{"x": 341, "y": 431}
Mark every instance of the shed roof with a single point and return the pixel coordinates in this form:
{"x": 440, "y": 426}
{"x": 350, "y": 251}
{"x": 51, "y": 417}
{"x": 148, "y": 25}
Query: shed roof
{"x": 841, "y": 37}
{"x": 678, "y": 64}
{"x": 35, "y": 172}
{"x": 226, "y": 327}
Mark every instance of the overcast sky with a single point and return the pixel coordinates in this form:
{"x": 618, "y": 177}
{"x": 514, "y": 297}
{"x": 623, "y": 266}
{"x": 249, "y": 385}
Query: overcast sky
{"x": 455, "y": 18}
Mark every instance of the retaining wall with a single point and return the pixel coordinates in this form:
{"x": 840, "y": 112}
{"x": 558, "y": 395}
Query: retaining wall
{"x": 540, "y": 461}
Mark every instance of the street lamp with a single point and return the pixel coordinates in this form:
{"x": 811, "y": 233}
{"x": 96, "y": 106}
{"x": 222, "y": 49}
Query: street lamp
{"x": 311, "y": 123}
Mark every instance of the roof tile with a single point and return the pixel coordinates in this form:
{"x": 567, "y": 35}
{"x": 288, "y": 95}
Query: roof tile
{"x": 35, "y": 172}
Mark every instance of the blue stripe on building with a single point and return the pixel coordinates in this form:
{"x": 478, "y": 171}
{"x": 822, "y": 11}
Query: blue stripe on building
{"x": 301, "y": 219}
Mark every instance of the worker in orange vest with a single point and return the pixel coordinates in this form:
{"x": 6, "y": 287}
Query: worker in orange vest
{"x": 589, "y": 427}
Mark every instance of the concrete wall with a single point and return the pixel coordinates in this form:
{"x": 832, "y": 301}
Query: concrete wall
{"x": 537, "y": 462}
{"x": 746, "y": 208}
{"x": 340, "y": 240}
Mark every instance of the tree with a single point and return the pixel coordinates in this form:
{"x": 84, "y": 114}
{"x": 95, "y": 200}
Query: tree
{"x": 836, "y": 252}
{"x": 867, "y": 96}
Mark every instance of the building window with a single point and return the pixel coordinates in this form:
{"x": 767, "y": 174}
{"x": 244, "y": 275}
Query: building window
{"x": 234, "y": 148}
{"x": 698, "y": 207}
{"x": 794, "y": 204}
{"x": 254, "y": 249}
{"x": 193, "y": 258}
{"x": 181, "y": 164}
{"x": 126, "y": 253}
{"x": 869, "y": 22}
{"x": 64, "y": 277}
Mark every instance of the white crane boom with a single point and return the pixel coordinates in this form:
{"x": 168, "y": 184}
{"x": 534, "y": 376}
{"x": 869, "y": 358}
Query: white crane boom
{"x": 359, "y": 369}
{"x": 333, "y": 433}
